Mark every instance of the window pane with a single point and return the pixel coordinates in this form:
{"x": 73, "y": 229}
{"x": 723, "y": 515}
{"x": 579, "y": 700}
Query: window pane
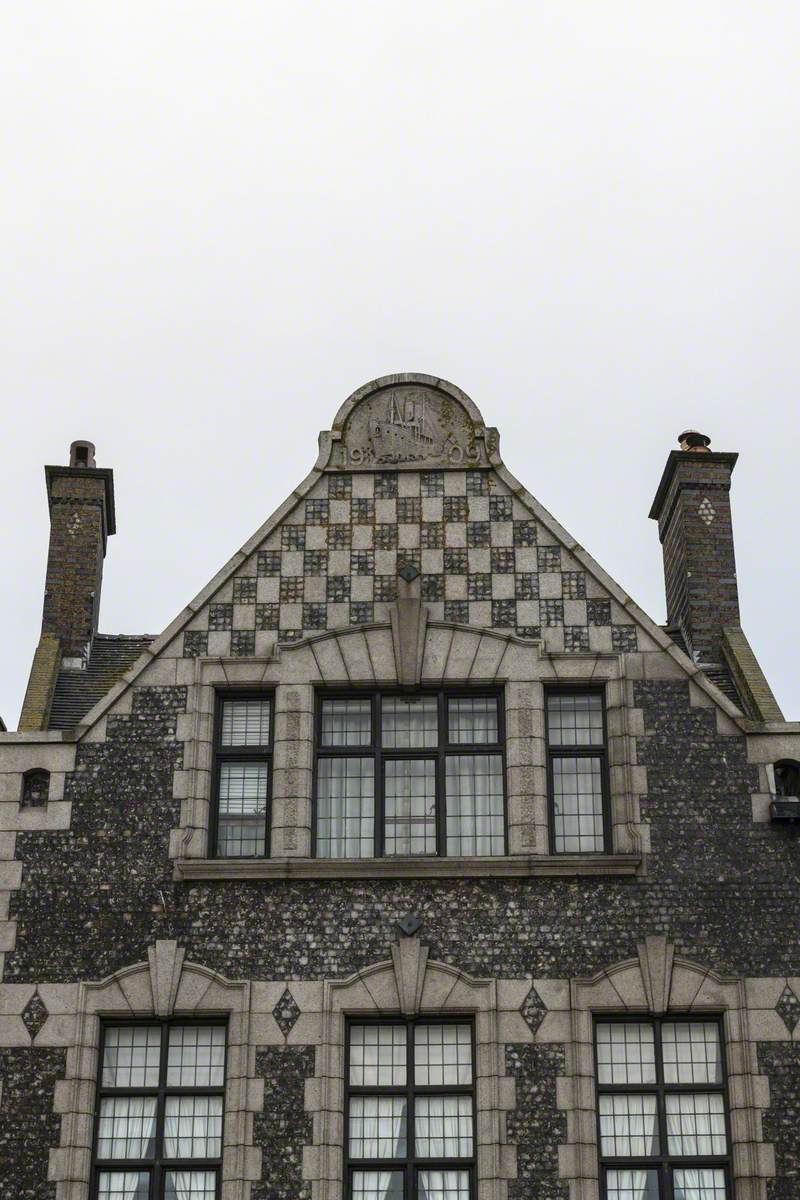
{"x": 575, "y": 720}
{"x": 443, "y": 1126}
{"x": 409, "y": 723}
{"x": 626, "y": 1052}
{"x": 472, "y": 721}
{"x": 442, "y": 1055}
{"x": 691, "y": 1052}
{"x": 699, "y": 1183}
{"x": 127, "y": 1127}
{"x": 131, "y": 1056}
{"x": 696, "y": 1125}
{"x": 578, "y": 805}
{"x": 377, "y": 1185}
{"x": 196, "y": 1056}
{"x": 474, "y": 791}
{"x": 410, "y": 806}
{"x": 241, "y": 838}
{"x": 190, "y": 1185}
{"x": 346, "y": 722}
{"x": 378, "y": 1055}
{"x": 443, "y": 1185}
{"x": 377, "y": 1127}
{"x": 628, "y": 1126}
{"x": 632, "y": 1185}
{"x": 243, "y": 788}
{"x": 193, "y": 1127}
{"x": 245, "y": 722}
{"x": 345, "y": 808}
{"x": 123, "y": 1185}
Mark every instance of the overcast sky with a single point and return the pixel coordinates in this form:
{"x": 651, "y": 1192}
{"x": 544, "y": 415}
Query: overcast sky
{"x": 220, "y": 219}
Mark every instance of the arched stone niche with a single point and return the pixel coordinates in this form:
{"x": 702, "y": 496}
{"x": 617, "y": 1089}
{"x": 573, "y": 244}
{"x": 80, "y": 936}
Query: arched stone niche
{"x": 412, "y": 985}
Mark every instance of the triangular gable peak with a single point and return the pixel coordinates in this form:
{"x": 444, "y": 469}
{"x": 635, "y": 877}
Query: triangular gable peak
{"x": 410, "y": 477}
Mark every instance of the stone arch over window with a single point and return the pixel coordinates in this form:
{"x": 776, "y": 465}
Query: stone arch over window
{"x": 411, "y": 985}
{"x": 164, "y": 986}
{"x": 413, "y": 651}
{"x": 35, "y": 788}
{"x": 657, "y": 983}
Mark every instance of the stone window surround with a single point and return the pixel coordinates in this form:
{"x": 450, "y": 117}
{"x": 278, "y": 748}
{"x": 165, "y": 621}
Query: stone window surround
{"x": 410, "y": 985}
{"x": 164, "y": 986}
{"x": 659, "y": 983}
{"x": 450, "y": 655}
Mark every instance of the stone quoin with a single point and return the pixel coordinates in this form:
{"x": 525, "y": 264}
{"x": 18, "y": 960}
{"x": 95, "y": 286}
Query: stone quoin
{"x": 412, "y": 861}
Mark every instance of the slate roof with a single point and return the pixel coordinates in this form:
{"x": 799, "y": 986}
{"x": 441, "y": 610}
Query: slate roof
{"x": 76, "y": 692}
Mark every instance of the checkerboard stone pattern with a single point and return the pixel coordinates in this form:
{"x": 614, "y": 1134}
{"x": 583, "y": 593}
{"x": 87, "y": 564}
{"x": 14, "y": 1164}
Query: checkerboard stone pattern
{"x": 483, "y": 558}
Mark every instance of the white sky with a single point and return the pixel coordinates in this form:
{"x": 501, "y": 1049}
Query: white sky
{"x": 218, "y": 219}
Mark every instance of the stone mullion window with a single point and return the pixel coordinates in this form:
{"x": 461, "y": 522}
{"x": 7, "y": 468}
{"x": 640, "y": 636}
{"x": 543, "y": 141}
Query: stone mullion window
{"x": 663, "y": 1128}
{"x": 410, "y": 1128}
{"x": 577, "y": 770}
{"x": 400, "y": 776}
{"x": 160, "y": 1111}
{"x": 241, "y": 778}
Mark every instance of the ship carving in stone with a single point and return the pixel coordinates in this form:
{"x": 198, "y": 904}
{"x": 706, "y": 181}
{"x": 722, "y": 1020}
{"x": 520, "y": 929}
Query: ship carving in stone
{"x": 408, "y": 426}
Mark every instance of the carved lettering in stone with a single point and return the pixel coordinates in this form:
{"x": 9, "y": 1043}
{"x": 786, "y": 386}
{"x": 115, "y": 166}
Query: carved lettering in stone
{"x": 409, "y": 425}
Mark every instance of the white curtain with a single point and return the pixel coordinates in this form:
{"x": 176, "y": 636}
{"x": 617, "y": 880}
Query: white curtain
{"x": 193, "y": 1127}
{"x": 345, "y": 807}
{"x": 377, "y": 1127}
{"x": 698, "y": 1183}
{"x": 443, "y": 1185}
{"x": 124, "y": 1185}
{"x": 127, "y": 1127}
{"x": 190, "y": 1185}
{"x": 632, "y": 1185}
{"x": 376, "y": 1185}
{"x": 443, "y": 1126}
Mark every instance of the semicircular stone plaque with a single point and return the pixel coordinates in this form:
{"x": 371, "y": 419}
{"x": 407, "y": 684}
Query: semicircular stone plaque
{"x": 409, "y": 425}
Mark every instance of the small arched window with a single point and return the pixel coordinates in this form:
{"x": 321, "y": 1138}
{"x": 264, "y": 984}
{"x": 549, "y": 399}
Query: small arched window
{"x": 35, "y": 788}
{"x": 787, "y": 778}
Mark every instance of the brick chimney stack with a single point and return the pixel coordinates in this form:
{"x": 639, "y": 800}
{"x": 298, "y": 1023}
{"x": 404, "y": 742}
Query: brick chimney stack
{"x": 81, "y": 501}
{"x": 693, "y": 510}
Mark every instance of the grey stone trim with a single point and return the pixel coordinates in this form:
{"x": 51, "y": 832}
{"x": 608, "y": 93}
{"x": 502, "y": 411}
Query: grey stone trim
{"x": 658, "y": 982}
{"x": 162, "y": 987}
{"x": 410, "y": 983}
{"x": 512, "y": 866}
{"x": 437, "y": 653}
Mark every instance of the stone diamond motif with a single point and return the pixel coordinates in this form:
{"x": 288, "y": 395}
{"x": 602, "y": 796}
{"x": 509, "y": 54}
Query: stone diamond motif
{"x": 788, "y": 1008}
{"x": 409, "y": 925}
{"x": 34, "y": 1014}
{"x": 533, "y": 1009}
{"x": 286, "y": 1012}
{"x": 408, "y": 572}
{"x": 707, "y": 511}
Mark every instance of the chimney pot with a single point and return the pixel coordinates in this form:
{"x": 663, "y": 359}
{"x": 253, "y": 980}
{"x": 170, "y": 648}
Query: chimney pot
{"x": 690, "y": 439}
{"x": 81, "y": 454}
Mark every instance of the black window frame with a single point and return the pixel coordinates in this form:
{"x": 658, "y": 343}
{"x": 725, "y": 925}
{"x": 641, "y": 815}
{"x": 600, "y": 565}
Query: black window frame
{"x": 589, "y": 751}
{"x": 439, "y": 752}
{"x": 412, "y": 1163}
{"x": 664, "y": 1163}
{"x": 255, "y": 754}
{"x": 158, "y": 1165}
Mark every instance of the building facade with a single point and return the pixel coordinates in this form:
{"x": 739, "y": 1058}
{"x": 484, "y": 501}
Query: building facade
{"x": 412, "y": 860}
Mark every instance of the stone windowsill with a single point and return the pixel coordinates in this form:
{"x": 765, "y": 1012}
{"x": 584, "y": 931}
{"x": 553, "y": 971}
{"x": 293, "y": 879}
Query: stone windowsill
{"x": 518, "y": 866}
